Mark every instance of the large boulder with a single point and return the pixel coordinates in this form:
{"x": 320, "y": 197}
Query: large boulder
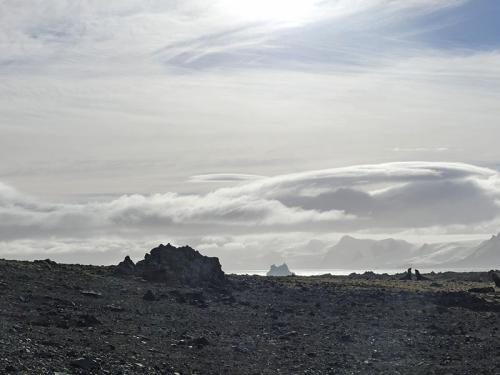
{"x": 180, "y": 266}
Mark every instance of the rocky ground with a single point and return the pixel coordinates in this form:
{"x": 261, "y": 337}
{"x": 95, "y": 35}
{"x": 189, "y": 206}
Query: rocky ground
{"x": 73, "y": 319}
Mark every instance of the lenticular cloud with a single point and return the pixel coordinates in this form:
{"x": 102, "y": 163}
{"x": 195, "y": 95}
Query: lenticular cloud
{"x": 382, "y": 196}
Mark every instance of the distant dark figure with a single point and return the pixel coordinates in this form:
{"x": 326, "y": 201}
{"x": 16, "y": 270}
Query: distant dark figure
{"x": 419, "y": 276}
{"x": 495, "y": 278}
{"x": 407, "y": 275}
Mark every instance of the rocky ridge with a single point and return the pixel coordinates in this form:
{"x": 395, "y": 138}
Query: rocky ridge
{"x": 76, "y": 319}
{"x": 175, "y": 266}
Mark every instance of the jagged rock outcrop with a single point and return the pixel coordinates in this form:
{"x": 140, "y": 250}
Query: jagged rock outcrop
{"x": 126, "y": 267}
{"x": 282, "y": 270}
{"x": 407, "y": 275}
{"x": 176, "y": 266}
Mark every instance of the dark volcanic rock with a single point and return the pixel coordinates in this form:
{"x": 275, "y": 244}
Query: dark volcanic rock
{"x": 87, "y": 320}
{"x": 115, "y": 308}
{"x": 495, "y": 278}
{"x": 487, "y": 289}
{"x": 180, "y": 266}
{"x": 10, "y": 369}
{"x": 91, "y": 293}
{"x": 466, "y": 301}
{"x": 195, "y": 298}
{"x": 149, "y": 296}
{"x": 407, "y": 275}
{"x": 252, "y": 325}
{"x": 46, "y": 262}
{"x": 84, "y": 364}
{"x": 126, "y": 267}
{"x": 199, "y": 342}
{"x": 419, "y": 276}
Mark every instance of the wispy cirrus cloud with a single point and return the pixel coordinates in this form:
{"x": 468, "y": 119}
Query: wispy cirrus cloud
{"x": 132, "y": 34}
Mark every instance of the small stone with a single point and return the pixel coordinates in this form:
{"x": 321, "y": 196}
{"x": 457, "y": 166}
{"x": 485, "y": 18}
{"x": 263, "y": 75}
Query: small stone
{"x": 199, "y": 342}
{"x": 88, "y": 320}
{"x": 487, "y": 289}
{"x": 91, "y": 293}
{"x": 84, "y": 364}
{"x": 115, "y": 308}
{"x": 149, "y": 296}
{"x": 288, "y": 335}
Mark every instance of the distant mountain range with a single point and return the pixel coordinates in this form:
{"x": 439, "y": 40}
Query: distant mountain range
{"x": 354, "y": 253}
{"x": 351, "y": 253}
{"x": 487, "y": 255}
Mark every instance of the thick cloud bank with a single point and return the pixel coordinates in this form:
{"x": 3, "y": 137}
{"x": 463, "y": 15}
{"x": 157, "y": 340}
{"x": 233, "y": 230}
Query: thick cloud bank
{"x": 264, "y": 218}
{"x": 368, "y": 197}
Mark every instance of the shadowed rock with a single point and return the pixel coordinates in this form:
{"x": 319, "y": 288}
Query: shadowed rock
{"x": 419, "y": 276}
{"x": 495, "y": 278}
{"x": 84, "y": 364}
{"x": 180, "y": 266}
{"x": 126, "y": 267}
{"x": 466, "y": 301}
{"x": 407, "y": 275}
{"x": 487, "y": 289}
{"x": 46, "y": 262}
{"x": 149, "y": 296}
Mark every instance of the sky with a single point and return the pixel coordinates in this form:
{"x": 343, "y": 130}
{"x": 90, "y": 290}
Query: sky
{"x": 245, "y": 127}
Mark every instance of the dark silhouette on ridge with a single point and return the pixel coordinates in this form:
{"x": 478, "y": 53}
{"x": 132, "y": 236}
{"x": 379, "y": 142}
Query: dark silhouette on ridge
{"x": 407, "y": 275}
{"x": 126, "y": 267}
{"x": 495, "y": 278}
{"x": 419, "y": 276}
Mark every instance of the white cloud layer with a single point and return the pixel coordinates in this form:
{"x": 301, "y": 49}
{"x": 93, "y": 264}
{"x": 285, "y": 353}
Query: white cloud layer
{"x": 392, "y": 196}
{"x": 224, "y": 177}
{"x": 264, "y": 220}
{"x": 100, "y": 99}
